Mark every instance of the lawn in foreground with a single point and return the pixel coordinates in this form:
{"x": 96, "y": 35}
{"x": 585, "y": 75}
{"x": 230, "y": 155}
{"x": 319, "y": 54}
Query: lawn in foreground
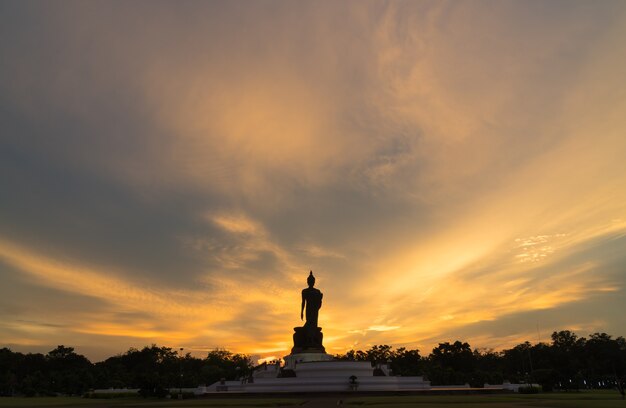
{"x": 583, "y": 399}
{"x": 588, "y": 399}
{"x": 76, "y": 402}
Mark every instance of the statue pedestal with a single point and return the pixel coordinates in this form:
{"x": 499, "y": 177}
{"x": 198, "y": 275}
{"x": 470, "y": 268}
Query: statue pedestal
{"x": 307, "y": 339}
{"x": 307, "y": 347}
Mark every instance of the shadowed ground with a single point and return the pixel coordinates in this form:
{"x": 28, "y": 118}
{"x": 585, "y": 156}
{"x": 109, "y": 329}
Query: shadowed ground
{"x": 595, "y": 399}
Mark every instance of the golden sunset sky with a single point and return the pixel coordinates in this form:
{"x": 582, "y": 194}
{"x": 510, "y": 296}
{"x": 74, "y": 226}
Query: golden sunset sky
{"x": 171, "y": 171}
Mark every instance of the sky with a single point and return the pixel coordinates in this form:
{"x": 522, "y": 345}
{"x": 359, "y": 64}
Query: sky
{"x": 171, "y": 171}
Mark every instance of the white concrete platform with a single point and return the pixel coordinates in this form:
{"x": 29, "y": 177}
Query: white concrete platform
{"x": 329, "y": 369}
{"x": 317, "y": 372}
{"x": 321, "y": 384}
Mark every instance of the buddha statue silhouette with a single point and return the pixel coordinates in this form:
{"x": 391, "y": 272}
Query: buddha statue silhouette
{"x": 308, "y": 339}
{"x": 312, "y": 300}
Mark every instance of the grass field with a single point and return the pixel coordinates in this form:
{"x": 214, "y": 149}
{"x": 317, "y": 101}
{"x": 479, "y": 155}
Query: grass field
{"x": 595, "y": 399}
{"x": 145, "y": 403}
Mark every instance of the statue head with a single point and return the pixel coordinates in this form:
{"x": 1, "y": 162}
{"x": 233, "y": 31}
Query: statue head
{"x": 311, "y": 279}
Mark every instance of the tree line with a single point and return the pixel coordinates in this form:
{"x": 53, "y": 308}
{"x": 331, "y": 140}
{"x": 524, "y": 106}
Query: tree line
{"x": 568, "y": 362}
{"x": 152, "y": 370}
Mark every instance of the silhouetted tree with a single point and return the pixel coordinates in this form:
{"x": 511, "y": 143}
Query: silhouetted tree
{"x": 406, "y": 362}
{"x": 488, "y": 368}
{"x": 69, "y": 373}
{"x": 518, "y": 363}
{"x": 567, "y": 358}
{"x": 221, "y": 363}
{"x": 451, "y": 363}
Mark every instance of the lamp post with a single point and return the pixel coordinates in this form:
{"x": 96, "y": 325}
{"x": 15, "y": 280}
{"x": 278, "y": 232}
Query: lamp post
{"x": 180, "y": 384}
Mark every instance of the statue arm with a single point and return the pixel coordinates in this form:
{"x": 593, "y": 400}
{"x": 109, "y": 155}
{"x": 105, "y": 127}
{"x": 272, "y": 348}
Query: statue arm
{"x": 302, "y": 307}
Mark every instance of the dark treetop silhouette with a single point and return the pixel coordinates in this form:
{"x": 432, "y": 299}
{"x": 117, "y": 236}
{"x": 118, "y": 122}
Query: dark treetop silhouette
{"x": 308, "y": 339}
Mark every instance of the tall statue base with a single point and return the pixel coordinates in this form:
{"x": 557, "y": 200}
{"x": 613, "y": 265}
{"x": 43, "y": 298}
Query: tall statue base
{"x": 307, "y": 347}
{"x": 307, "y": 339}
